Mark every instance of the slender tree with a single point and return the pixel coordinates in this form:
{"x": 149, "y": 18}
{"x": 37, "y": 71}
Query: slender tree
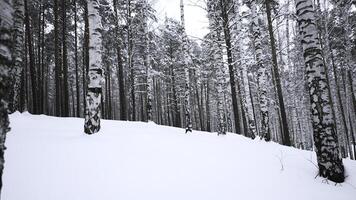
{"x": 276, "y": 77}
{"x": 57, "y": 58}
{"x": 262, "y": 73}
{"x": 120, "y": 69}
{"x": 76, "y": 60}
{"x": 64, "y": 76}
{"x": 188, "y": 119}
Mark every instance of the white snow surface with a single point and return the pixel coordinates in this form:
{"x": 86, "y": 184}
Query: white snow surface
{"x": 50, "y": 158}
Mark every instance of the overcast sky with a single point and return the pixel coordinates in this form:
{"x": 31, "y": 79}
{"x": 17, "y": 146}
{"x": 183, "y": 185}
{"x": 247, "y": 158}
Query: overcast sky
{"x": 196, "y": 21}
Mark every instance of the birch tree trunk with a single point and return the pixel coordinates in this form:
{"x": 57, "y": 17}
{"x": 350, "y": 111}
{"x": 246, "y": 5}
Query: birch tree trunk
{"x": 147, "y": 62}
{"x": 188, "y": 119}
{"x": 95, "y": 73}
{"x": 215, "y": 25}
{"x": 325, "y": 138}
{"x": 18, "y": 52}
{"x": 262, "y": 74}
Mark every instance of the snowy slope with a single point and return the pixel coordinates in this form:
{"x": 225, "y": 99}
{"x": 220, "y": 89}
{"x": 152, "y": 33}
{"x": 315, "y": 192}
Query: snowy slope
{"x": 50, "y": 158}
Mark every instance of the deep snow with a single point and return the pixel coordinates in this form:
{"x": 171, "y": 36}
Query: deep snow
{"x": 51, "y": 158}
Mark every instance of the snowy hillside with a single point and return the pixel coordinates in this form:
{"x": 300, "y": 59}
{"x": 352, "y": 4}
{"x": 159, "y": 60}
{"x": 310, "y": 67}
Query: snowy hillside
{"x": 51, "y": 158}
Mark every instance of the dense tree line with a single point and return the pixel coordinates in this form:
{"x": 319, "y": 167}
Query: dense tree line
{"x": 278, "y": 70}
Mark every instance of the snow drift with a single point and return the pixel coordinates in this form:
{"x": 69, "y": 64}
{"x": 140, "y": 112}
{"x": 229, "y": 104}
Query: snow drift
{"x": 50, "y": 158}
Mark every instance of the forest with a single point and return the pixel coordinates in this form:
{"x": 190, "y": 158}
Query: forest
{"x": 276, "y": 70}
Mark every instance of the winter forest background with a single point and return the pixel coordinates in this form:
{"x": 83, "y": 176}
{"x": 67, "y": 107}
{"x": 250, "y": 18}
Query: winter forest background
{"x": 279, "y": 70}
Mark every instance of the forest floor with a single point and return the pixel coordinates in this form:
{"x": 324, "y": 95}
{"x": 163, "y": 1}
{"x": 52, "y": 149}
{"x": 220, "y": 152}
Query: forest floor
{"x": 50, "y": 158}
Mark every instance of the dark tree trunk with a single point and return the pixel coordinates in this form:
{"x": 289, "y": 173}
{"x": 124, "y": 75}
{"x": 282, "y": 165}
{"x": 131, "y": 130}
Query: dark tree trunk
{"x": 31, "y": 60}
{"x": 208, "y": 127}
{"x": 58, "y": 67}
{"x": 350, "y": 82}
{"x": 120, "y": 72}
{"x": 43, "y": 65}
{"x": 85, "y": 53}
{"x": 39, "y": 59}
{"x": 277, "y": 81}
{"x": 227, "y": 36}
{"x": 76, "y": 60}
{"x": 65, "y": 90}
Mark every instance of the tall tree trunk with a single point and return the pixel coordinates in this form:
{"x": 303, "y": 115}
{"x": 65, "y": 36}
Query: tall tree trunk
{"x": 76, "y": 60}
{"x": 147, "y": 63}
{"x": 57, "y": 60}
{"x": 262, "y": 74}
{"x": 350, "y": 82}
{"x": 341, "y": 106}
{"x": 39, "y": 59}
{"x": 17, "y": 53}
{"x": 187, "y": 107}
{"x": 325, "y": 139}
{"x": 208, "y": 127}
{"x": 95, "y": 73}
{"x": 120, "y": 73}
{"x": 277, "y": 81}
{"x": 32, "y": 65}
{"x": 65, "y": 90}
{"x": 85, "y": 55}
{"x": 43, "y": 65}
{"x": 215, "y": 24}
{"x": 227, "y": 37}
{"x": 6, "y": 43}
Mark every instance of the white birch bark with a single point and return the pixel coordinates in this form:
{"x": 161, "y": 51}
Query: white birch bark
{"x": 216, "y": 38}
{"x": 17, "y": 52}
{"x": 325, "y": 138}
{"x": 95, "y": 74}
{"x": 262, "y": 73}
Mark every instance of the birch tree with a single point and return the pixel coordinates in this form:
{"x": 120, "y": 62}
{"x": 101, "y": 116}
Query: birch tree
{"x": 325, "y": 138}
{"x": 216, "y": 40}
{"x": 95, "y": 73}
{"x": 17, "y": 52}
{"x": 188, "y": 117}
{"x": 262, "y": 73}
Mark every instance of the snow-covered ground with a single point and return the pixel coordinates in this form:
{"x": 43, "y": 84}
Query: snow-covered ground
{"x": 51, "y": 158}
